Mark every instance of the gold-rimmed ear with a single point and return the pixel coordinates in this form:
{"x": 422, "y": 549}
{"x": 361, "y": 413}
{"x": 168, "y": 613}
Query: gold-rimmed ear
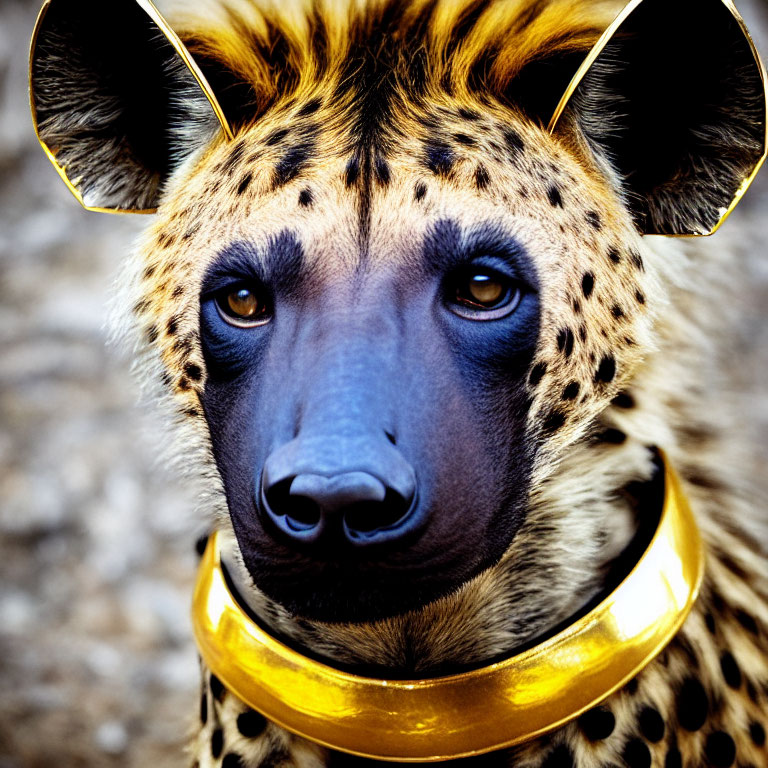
{"x": 672, "y": 98}
{"x": 117, "y": 100}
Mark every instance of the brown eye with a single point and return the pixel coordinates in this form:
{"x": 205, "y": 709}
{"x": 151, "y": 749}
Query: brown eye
{"x": 243, "y": 305}
{"x": 482, "y": 290}
{"x": 484, "y": 294}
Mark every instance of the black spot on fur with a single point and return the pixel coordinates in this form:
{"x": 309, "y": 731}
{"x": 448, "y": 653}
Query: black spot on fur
{"x": 730, "y": 670}
{"x": 624, "y": 400}
{"x": 559, "y": 757}
{"x": 673, "y": 759}
{"x": 352, "y": 171}
{"x": 152, "y": 334}
{"x": 481, "y": 177}
{"x": 467, "y": 141}
{"x": 747, "y": 622}
{"x": 251, "y": 724}
{"x": 276, "y": 137}
{"x": 311, "y": 107}
{"x": 709, "y": 620}
{"x": 232, "y": 760}
{"x": 292, "y": 163}
{"x": 439, "y": 159}
{"x": 149, "y": 271}
{"x": 614, "y": 255}
{"x": 514, "y": 142}
{"x": 692, "y": 705}
{"x": 651, "y": 724}
{"x": 632, "y": 686}
{"x": 640, "y": 297}
{"x": 612, "y": 436}
{"x": 757, "y": 734}
{"x": 571, "y": 392}
{"x": 381, "y": 167}
{"x": 178, "y": 291}
{"x": 606, "y": 370}
{"x": 597, "y": 724}
{"x": 537, "y": 373}
{"x": 553, "y": 421}
{"x": 172, "y": 325}
{"x": 217, "y": 688}
{"x": 305, "y": 198}
{"x": 594, "y": 220}
{"x": 555, "y": 196}
{"x": 469, "y": 114}
{"x": 420, "y": 191}
{"x": 636, "y": 754}
{"x": 583, "y": 332}
{"x": 193, "y": 371}
{"x": 587, "y": 284}
{"x": 565, "y": 341}
{"x": 617, "y": 312}
{"x": 204, "y": 708}
{"x": 576, "y": 306}
{"x": 217, "y": 743}
{"x": 720, "y": 750}
{"x": 637, "y": 260}
{"x": 245, "y": 182}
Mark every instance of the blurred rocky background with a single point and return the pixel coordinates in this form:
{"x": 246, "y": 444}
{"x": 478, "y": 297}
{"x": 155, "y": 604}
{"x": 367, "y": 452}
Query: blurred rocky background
{"x": 97, "y": 666}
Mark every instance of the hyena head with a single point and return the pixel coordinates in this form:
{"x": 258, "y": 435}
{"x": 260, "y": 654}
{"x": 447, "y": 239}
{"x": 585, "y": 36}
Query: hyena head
{"x": 393, "y": 302}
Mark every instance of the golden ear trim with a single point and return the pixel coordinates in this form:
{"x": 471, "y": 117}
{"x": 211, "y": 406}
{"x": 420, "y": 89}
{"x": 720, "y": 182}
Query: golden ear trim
{"x": 598, "y": 48}
{"x": 154, "y": 14}
{"x": 471, "y": 713}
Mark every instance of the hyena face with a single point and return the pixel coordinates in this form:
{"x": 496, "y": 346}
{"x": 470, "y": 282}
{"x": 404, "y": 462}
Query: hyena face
{"x": 394, "y": 299}
{"x": 364, "y": 339}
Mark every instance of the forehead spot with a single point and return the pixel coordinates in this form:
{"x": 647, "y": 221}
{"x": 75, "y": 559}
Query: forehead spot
{"x": 514, "y": 142}
{"x": 276, "y": 136}
{"x": 467, "y": 141}
{"x": 381, "y": 167}
{"x": 594, "y": 220}
{"x": 439, "y": 159}
{"x": 352, "y": 171}
{"x": 482, "y": 178}
{"x": 293, "y": 163}
{"x": 311, "y": 107}
{"x": 555, "y": 196}
{"x": 305, "y": 198}
{"x": 606, "y": 371}
{"x": 245, "y": 182}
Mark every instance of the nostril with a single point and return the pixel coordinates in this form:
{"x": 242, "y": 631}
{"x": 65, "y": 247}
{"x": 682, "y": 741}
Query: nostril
{"x": 301, "y": 514}
{"x": 363, "y": 519}
{"x": 391, "y": 438}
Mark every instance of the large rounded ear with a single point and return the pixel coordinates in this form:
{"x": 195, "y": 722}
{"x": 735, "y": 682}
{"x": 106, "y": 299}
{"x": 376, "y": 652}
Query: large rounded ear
{"x": 117, "y": 100}
{"x": 672, "y": 98}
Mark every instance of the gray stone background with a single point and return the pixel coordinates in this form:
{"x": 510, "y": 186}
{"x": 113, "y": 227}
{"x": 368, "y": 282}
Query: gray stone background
{"x": 97, "y": 667}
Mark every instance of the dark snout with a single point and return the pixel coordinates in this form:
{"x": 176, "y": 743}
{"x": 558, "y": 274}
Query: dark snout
{"x": 326, "y": 491}
{"x": 369, "y": 433}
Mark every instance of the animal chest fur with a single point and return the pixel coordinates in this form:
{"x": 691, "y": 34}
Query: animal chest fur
{"x": 405, "y": 305}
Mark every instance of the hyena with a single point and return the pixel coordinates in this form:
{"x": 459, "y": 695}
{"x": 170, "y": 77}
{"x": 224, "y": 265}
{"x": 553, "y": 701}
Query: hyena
{"x": 399, "y": 298}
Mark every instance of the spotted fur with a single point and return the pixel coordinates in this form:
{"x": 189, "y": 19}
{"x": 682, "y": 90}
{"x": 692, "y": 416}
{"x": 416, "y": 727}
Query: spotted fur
{"x": 360, "y": 127}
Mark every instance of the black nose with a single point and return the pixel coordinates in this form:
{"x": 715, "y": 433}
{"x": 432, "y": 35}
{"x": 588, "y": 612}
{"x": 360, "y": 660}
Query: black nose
{"x": 357, "y": 506}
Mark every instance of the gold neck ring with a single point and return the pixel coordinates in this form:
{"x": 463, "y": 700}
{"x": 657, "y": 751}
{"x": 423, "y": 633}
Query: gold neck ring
{"x": 486, "y": 709}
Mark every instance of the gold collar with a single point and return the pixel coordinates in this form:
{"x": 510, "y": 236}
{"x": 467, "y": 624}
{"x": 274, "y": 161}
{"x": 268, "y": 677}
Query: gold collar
{"x": 474, "y": 712}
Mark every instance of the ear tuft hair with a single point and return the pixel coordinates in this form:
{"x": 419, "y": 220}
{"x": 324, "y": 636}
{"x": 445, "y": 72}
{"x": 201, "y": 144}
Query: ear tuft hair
{"x": 673, "y": 99}
{"x": 116, "y": 99}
